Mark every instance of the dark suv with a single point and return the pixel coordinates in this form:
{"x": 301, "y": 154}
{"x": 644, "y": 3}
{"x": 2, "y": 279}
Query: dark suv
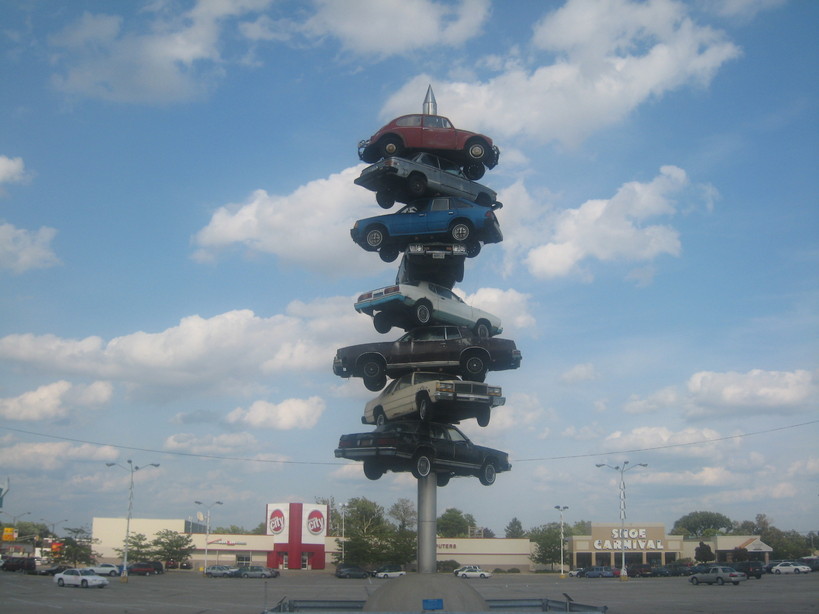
{"x": 21, "y": 564}
{"x": 749, "y": 568}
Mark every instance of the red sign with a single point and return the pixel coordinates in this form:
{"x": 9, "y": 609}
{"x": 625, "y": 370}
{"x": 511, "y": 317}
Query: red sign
{"x": 315, "y": 522}
{"x": 276, "y": 521}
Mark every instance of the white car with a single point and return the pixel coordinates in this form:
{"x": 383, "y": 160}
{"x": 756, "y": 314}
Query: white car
{"x": 80, "y": 577}
{"x": 472, "y": 571}
{"x": 104, "y": 569}
{"x": 389, "y": 573}
{"x": 790, "y": 567}
{"x": 420, "y": 303}
{"x": 433, "y": 396}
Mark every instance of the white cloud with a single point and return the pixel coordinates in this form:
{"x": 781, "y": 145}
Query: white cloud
{"x": 706, "y": 476}
{"x": 287, "y": 415}
{"x": 579, "y": 373}
{"x": 225, "y": 444}
{"x": 806, "y": 466}
{"x": 667, "y": 398}
{"x": 56, "y": 400}
{"x": 23, "y": 250}
{"x": 512, "y": 307}
{"x": 27, "y": 456}
{"x": 756, "y": 390}
{"x": 392, "y": 27}
{"x": 689, "y": 442}
{"x": 12, "y": 170}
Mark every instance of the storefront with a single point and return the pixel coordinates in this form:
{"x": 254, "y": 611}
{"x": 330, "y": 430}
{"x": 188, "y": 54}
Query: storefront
{"x": 299, "y": 532}
{"x": 642, "y": 543}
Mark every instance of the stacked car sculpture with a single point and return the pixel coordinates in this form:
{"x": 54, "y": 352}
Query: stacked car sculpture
{"x": 440, "y": 363}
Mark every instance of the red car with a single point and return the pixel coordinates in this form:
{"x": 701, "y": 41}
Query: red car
{"x": 434, "y": 133}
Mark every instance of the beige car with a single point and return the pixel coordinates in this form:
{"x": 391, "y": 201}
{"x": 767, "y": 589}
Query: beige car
{"x": 439, "y": 397}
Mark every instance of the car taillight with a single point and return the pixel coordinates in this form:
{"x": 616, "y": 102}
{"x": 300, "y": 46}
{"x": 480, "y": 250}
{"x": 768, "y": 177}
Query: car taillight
{"x": 493, "y": 391}
{"x": 365, "y": 297}
{"x": 390, "y": 289}
{"x": 390, "y": 162}
{"x": 445, "y": 387}
{"x": 386, "y": 441}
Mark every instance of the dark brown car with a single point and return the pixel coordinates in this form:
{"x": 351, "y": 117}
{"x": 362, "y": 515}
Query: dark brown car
{"x": 447, "y": 349}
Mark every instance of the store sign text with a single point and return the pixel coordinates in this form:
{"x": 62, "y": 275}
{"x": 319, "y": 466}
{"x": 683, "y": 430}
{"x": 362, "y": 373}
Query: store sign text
{"x": 628, "y": 539}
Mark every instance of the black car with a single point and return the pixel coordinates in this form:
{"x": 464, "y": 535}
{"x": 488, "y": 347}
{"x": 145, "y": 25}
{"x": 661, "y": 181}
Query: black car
{"x": 448, "y": 349}
{"x": 351, "y": 571}
{"x": 145, "y": 568}
{"x": 422, "y": 448}
{"x": 749, "y": 568}
{"x": 52, "y": 571}
{"x": 20, "y": 564}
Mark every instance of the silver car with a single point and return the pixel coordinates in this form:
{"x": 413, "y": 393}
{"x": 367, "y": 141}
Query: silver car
{"x": 719, "y": 575}
{"x": 405, "y": 179}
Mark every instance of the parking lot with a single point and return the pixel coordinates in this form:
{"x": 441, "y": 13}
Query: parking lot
{"x": 190, "y": 593}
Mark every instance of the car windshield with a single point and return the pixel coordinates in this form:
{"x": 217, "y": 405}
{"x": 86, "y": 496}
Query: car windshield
{"x": 87, "y": 572}
{"x": 421, "y": 377}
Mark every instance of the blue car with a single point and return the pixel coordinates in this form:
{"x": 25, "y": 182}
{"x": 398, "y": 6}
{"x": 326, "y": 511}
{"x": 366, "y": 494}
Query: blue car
{"x": 429, "y": 219}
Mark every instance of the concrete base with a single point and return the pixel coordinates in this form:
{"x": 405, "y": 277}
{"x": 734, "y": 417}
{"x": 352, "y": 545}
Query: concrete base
{"x": 407, "y": 593}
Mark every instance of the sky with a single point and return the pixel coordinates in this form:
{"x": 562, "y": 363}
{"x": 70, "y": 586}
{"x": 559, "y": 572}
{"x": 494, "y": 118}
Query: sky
{"x": 176, "y": 194}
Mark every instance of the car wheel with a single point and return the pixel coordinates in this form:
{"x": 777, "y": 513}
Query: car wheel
{"x": 483, "y": 200}
{"x": 390, "y": 146}
{"x": 736, "y": 583}
{"x": 694, "y": 581}
{"x": 488, "y": 473}
{"x": 720, "y": 581}
{"x": 209, "y": 575}
{"x": 422, "y": 313}
{"x": 380, "y": 418}
{"x": 777, "y": 571}
{"x": 375, "y": 384}
{"x": 385, "y": 198}
{"x": 473, "y": 248}
{"x": 112, "y": 573}
{"x": 60, "y": 582}
{"x": 244, "y": 575}
{"x": 388, "y": 254}
{"x": 474, "y": 171}
{"x": 382, "y": 322}
{"x": 463, "y": 575}
{"x": 442, "y": 479}
{"x": 373, "y": 469}
{"x": 84, "y": 583}
{"x": 417, "y": 184}
{"x": 483, "y": 576}
{"x": 375, "y": 237}
{"x": 460, "y": 231}
{"x": 473, "y": 367}
{"x": 373, "y": 367}
{"x": 796, "y": 571}
{"x": 482, "y": 329}
{"x": 423, "y": 404}
{"x": 483, "y": 417}
{"x": 477, "y": 149}
{"x": 421, "y": 464}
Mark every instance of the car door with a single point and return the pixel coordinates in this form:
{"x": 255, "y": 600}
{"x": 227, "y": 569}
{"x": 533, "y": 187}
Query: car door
{"x": 426, "y": 345}
{"x": 439, "y": 216}
{"x": 442, "y": 444}
{"x": 72, "y": 577}
{"x": 463, "y": 452}
{"x": 437, "y": 132}
{"x": 400, "y": 401}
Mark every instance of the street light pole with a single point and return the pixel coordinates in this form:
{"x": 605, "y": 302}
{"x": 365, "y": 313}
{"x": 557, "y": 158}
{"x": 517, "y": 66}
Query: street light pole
{"x": 131, "y": 468}
{"x": 561, "y": 509}
{"x": 343, "y": 508}
{"x": 207, "y": 530}
{"x": 622, "y": 469}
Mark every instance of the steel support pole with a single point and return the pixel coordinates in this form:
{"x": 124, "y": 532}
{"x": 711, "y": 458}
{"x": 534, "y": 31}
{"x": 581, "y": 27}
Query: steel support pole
{"x": 427, "y": 524}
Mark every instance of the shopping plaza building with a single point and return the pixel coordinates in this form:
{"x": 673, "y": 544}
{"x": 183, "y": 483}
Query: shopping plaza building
{"x": 296, "y": 538}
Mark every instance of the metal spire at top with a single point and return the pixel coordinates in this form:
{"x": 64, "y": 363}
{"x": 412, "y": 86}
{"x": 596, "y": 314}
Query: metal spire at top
{"x": 430, "y": 104}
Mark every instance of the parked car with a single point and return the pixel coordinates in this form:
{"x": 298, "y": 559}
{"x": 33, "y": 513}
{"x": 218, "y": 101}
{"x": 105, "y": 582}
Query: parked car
{"x": 679, "y": 570}
{"x": 52, "y": 571}
{"x": 641, "y": 570}
{"x": 352, "y": 571}
{"x": 442, "y": 218}
{"x": 84, "y": 578}
{"x": 750, "y": 568}
{"x": 472, "y": 571}
{"x": 144, "y": 568}
{"x": 422, "y": 448}
{"x": 20, "y": 564}
{"x": 810, "y": 561}
{"x": 433, "y": 133}
{"x": 421, "y": 303}
{"x": 389, "y": 571}
{"x": 449, "y": 349}
{"x": 433, "y": 396}
{"x": 718, "y": 574}
{"x": 599, "y": 571}
{"x": 219, "y": 571}
{"x": 577, "y": 573}
{"x": 422, "y": 174}
{"x": 439, "y": 263}
{"x": 105, "y": 569}
{"x": 255, "y": 571}
{"x": 790, "y": 567}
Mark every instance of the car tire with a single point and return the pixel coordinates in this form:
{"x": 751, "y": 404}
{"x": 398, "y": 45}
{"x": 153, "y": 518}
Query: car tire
{"x": 417, "y": 184}
{"x": 488, "y": 473}
{"x": 244, "y": 575}
{"x": 460, "y": 231}
{"x": 483, "y": 417}
{"x": 720, "y": 581}
{"x": 777, "y": 571}
{"x": 60, "y": 582}
{"x": 477, "y": 150}
{"x": 421, "y": 464}
{"x": 483, "y": 200}
{"x": 442, "y": 479}
{"x": 483, "y": 576}
{"x": 373, "y": 469}
{"x": 473, "y": 367}
{"x": 474, "y": 171}
{"x": 372, "y": 367}
{"x": 374, "y": 237}
{"x": 424, "y": 405}
{"x": 390, "y": 146}
{"x": 422, "y": 312}
{"x": 473, "y": 248}
{"x": 209, "y": 575}
{"x": 84, "y": 583}
{"x": 482, "y": 329}
{"x": 385, "y": 198}
{"x": 375, "y": 384}
{"x": 736, "y": 583}
{"x": 382, "y": 322}
{"x": 388, "y": 254}
{"x": 694, "y": 581}
{"x": 796, "y": 571}
{"x": 463, "y": 575}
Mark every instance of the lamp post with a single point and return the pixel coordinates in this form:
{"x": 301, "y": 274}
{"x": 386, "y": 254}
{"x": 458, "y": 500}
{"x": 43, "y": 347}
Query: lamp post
{"x": 622, "y": 469}
{"x": 207, "y": 530}
{"x": 343, "y": 508}
{"x": 131, "y": 468}
{"x": 561, "y": 509}
{"x": 53, "y": 525}
{"x": 14, "y": 518}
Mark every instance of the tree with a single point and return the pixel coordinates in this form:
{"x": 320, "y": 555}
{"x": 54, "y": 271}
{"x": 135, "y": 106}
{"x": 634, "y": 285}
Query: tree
{"x": 739, "y": 554}
{"x": 703, "y": 553}
{"x": 702, "y": 524}
{"x": 78, "y": 547}
{"x": 367, "y": 533}
{"x": 514, "y": 530}
{"x": 453, "y": 523}
{"x": 139, "y": 548}
{"x": 169, "y": 545}
{"x": 404, "y": 514}
{"x": 231, "y": 530}
{"x": 581, "y": 527}
{"x": 547, "y": 543}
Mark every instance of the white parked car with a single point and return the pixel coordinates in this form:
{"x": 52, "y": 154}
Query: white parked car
{"x": 790, "y": 567}
{"x": 104, "y": 569}
{"x": 420, "y": 303}
{"x": 389, "y": 571}
{"x": 472, "y": 571}
{"x": 433, "y": 396}
{"x": 80, "y": 577}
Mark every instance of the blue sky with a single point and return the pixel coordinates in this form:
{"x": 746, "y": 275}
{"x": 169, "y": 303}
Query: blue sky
{"x": 176, "y": 193}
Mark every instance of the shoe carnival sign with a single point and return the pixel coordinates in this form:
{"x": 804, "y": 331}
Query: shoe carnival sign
{"x": 641, "y": 539}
